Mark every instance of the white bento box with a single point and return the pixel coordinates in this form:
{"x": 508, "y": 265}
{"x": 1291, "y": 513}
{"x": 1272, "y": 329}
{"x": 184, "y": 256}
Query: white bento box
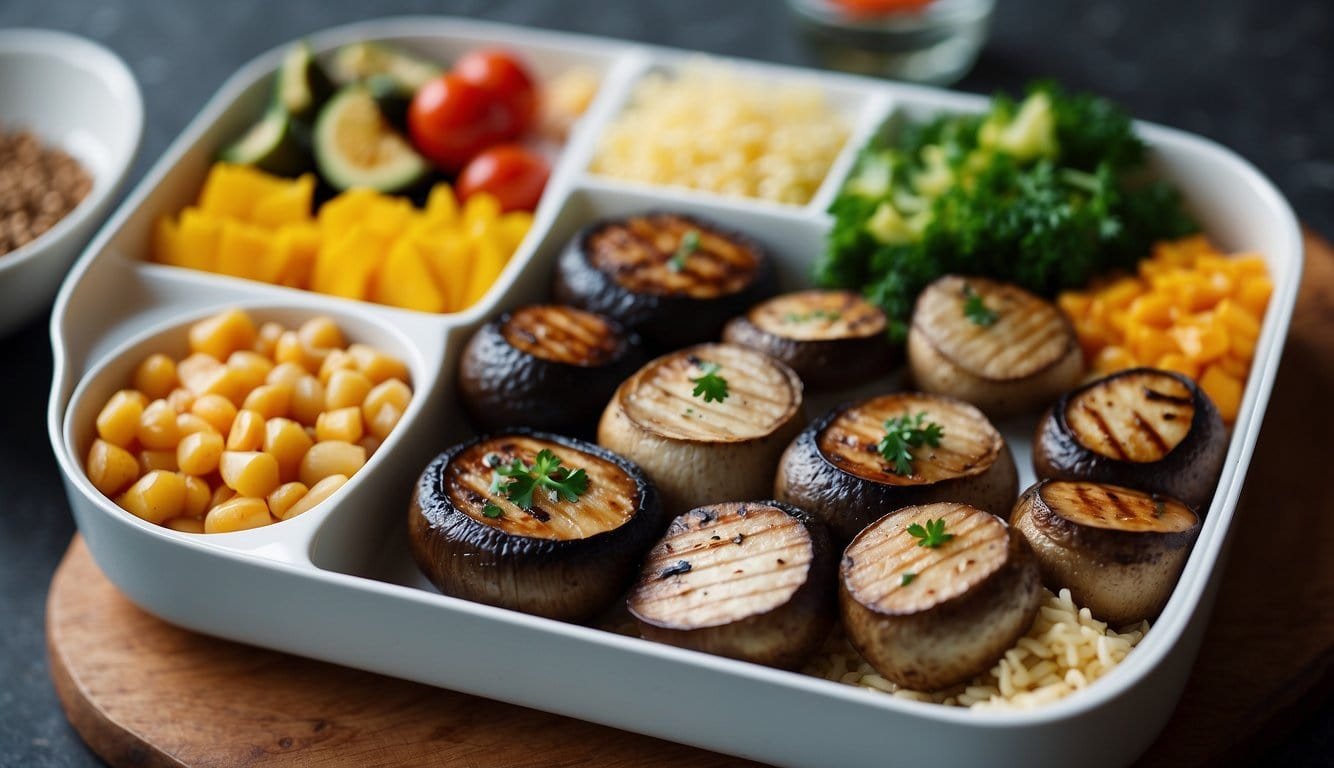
{"x": 338, "y": 584}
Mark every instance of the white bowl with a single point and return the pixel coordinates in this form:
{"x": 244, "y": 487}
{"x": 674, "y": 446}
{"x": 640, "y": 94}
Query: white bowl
{"x": 78, "y": 96}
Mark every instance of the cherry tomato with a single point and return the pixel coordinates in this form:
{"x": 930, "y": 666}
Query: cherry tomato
{"x": 451, "y": 120}
{"x": 880, "y": 7}
{"x": 514, "y": 175}
{"x": 505, "y": 78}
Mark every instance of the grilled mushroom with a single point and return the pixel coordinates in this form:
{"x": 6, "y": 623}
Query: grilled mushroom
{"x": 699, "y": 449}
{"x": 831, "y": 339}
{"x": 836, "y": 470}
{"x": 929, "y": 613}
{"x": 747, "y": 580}
{"x": 1119, "y": 551}
{"x": 992, "y": 344}
{"x": 1141, "y": 428}
{"x": 545, "y": 367}
{"x": 555, "y": 557}
{"x": 674, "y": 278}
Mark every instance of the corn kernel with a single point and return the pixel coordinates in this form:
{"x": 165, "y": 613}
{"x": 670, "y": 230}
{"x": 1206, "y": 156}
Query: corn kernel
{"x": 337, "y": 360}
{"x": 308, "y": 399}
{"x": 118, "y": 422}
{"x": 287, "y": 442}
{"x": 340, "y": 424}
{"x": 377, "y": 365}
{"x": 155, "y": 497}
{"x": 151, "y": 460}
{"x": 251, "y": 368}
{"x": 195, "y": 372}
{"x": 223, "y": 334}
{"x": 282, "y": 499}
{"x": 331, "y": 457}
{"x": 155, "y": 376}
{"x": 238, "y": 514}
{"x": 391, "y": 391}
{"x": 110, "y": 467}
{"x": 384, "y": 420}
{"x": 286, "y": 373}
{"x": 346, "y": 388}
{"x": 266, "y": 340}
{"x": 317, "y": 493}
{"x": 221, "y": 494}
{"x": 320, "y": 332}
{"x": 247, "y": 433}
{"x": 370, "y": 444}
{"x": 250, "y": 473}
{"x": 269, "y": 400}
{"x": 157, "y": 426}
{"x": 217, "y": 410}
{"x": 181, "y": 399}
{"x": 197, "y": 497}
{"x": 189, "y": 423}
{"x": 185, "y": 524}
{"x": 198, "y": 453}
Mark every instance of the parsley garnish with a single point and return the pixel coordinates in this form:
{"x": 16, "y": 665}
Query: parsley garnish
{"x": 814, "y": 314}
{"x": 689, "y": 244}
{"x": 491, "y": 511}
{"x": 906, "y": 578}
{"x": 710, "y": 385}
{"x": 903, "y": 433}
{"x": 546, "y": 472}
{"x": 933, "y": 535}
{"x": 977, "y": 310}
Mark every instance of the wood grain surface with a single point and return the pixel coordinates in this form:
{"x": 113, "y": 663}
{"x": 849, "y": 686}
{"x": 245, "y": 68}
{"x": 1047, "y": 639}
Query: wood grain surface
{"x": 144, "y": 693}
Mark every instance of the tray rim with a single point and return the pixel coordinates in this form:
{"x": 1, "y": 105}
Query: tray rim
{"x": 1144, "y": 661}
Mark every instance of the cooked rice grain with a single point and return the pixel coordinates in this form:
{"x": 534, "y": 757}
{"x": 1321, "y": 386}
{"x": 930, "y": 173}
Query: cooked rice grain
{"x": 1065, "y": 650}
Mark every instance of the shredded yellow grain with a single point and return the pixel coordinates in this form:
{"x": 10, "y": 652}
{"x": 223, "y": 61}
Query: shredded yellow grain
{"x": 1065, "y": 650}
{"x": 708, "y": 129}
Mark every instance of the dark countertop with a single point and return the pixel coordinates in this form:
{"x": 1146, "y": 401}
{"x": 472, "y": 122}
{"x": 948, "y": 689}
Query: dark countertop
{"x": 1249, "y": 74}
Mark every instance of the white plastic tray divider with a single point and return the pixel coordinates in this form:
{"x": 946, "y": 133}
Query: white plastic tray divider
{"x": 875, "y": 112}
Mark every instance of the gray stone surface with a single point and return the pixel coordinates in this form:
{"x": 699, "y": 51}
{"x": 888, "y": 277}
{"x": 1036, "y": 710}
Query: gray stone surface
{"x": 1253, "y": 75}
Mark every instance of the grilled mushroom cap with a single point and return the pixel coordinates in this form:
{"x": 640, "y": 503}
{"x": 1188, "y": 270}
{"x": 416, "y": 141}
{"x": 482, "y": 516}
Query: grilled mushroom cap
{"x": 928, "y": 618}
{"x": 561, "y": 559}
{"x": 1014, "y": 354}
{"x": 832, "y": 339}
{"x": 674, "y": 278}
{"x": 545, "y": 367}
{"x": 747, "y": 580}
{"x": 1118, "y": 550}
{"x": 1141, "y": 428}
{"x": 698, "y": 451}
{"x": 834, "y": 469}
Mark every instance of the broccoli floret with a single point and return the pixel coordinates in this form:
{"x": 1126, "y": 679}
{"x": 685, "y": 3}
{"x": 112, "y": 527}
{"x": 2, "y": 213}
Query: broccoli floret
{"x": 1035, "y": 193}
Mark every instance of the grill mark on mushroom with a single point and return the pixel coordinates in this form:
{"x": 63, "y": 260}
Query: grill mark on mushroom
{"x": 639, "y": 251}
{"x": 607, "y": 504}
{"x": 969, "y": 446}
{"x": 563, "y": 335}
{"x": 1138, "y": 417}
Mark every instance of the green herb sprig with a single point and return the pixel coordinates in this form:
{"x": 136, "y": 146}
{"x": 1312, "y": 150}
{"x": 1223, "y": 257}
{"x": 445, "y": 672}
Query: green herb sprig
{"x": 518, "y": 481}
{"x": 795, "y": 318}
{"x": 709, "y": 385}
{"x": 976, "y": 310}
{"x": 902, "y": 434}
{"x": 907, "y": 578}
{"x": 932, "y": 535}
{"x": 689, "y": 244}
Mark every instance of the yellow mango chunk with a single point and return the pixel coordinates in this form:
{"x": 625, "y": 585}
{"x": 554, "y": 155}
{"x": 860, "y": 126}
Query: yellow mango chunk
{"x": 243, "y": 251}
{"x": 198, "y": 240}
{"x": 406, "y": 281}
{"x": 289, "y": 205}
{"x": 346, "y": 265}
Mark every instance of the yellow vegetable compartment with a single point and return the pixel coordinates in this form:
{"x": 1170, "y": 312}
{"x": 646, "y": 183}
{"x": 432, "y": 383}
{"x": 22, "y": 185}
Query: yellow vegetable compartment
{"x": 335, "y": 582}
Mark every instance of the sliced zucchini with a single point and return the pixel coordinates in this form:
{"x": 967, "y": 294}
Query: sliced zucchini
{"x": 360, "y": 61}
{"x": 276, "y": 144}
{"x": 355, "y": 146}
{"x": 302, "y": 85}
{"x": 393, "y": 100}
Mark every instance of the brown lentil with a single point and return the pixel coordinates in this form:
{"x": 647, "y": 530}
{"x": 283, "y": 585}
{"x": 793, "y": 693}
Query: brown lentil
{"x": 39, "y": 186}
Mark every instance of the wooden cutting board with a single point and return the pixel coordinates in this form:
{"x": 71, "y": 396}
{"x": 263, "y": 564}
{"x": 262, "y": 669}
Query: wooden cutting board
{"x": 144, "y": 693}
